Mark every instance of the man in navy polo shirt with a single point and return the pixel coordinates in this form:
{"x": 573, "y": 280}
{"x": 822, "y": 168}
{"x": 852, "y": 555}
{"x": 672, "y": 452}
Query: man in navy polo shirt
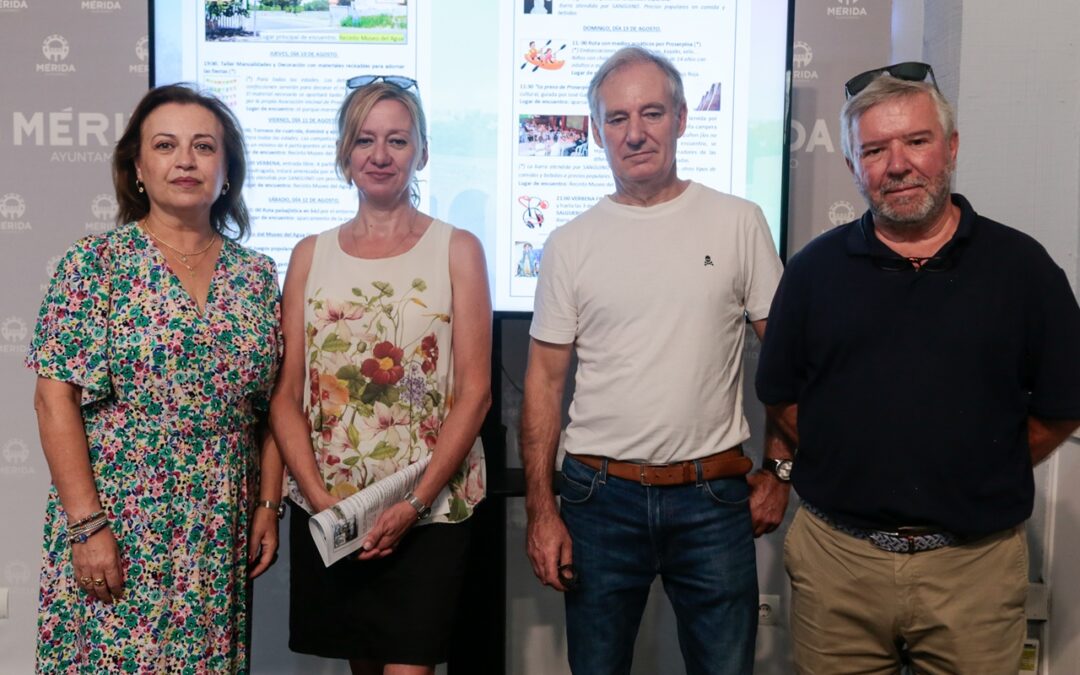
{"x": 923, "y": 358}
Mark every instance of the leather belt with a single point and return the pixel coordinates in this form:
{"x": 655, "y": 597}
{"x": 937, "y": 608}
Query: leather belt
{"x": 727, "y": 464}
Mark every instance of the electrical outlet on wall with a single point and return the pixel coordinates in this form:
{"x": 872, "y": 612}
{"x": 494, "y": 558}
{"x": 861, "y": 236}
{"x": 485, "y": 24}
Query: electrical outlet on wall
{"x": 768, "y": 610}
{"x": 1037, "y": 607}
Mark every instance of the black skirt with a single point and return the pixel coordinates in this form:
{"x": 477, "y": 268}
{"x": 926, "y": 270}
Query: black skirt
{"x": 398, "y": 609}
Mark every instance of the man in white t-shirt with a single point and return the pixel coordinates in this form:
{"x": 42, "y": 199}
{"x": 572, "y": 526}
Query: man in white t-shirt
{"x": 652, "y": 288}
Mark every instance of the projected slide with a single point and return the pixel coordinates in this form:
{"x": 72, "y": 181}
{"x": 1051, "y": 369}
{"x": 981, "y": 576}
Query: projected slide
{"x": 513, "y": 153}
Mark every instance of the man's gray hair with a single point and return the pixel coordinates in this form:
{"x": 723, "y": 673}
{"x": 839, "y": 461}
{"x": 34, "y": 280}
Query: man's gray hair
{"x": 625, "y": 57}
{"x": 888, "y": 88}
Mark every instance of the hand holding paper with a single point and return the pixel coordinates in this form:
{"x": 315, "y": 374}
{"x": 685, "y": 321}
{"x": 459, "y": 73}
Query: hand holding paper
{"x": 342, "y": 528}
{"x": 390, "y": 527}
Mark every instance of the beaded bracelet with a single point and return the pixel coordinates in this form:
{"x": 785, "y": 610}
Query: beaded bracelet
{"x": 84, "y": 521}
{"x": 79, "y": 535}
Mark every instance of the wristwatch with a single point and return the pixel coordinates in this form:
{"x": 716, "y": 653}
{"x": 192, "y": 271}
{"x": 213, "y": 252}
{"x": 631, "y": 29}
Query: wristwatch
{"x": 781, "y": 468}
{"x": 422, "y": 509}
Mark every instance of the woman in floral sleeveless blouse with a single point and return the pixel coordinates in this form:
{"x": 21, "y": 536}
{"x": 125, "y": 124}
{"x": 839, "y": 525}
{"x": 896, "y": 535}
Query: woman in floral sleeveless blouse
{"x": 156, "y": 350}
{"x": 387, "y": 324}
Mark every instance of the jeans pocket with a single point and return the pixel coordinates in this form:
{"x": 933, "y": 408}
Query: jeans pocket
{"x": 728, "y": 491}
{"x": 578, "y": 482}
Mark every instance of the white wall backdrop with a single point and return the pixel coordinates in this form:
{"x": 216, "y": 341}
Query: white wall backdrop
{"x": 1017, "y": 78}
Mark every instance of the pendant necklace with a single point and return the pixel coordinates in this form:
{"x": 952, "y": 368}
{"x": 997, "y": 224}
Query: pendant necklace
{"x": 182, "y": 255}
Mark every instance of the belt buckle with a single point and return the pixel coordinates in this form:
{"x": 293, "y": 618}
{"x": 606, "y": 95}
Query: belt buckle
{"x": 641, "y": 476}
{"x": 903, "y": 535}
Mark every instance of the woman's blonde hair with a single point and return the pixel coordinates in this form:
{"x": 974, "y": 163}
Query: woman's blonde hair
{"x": 355, "y": 109}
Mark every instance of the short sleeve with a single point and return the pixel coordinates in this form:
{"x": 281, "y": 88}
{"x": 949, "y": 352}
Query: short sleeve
{"x": 763, "y": 268}
{"x": 781, "y": 368}
{"x": 270, "y": 298}
{"x": 555, "y": 312}
{"x": 1054, "y": 339}
{"x": 70, "y": 341}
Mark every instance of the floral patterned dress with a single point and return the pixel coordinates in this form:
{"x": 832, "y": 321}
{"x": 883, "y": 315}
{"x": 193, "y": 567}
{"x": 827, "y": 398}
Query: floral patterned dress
{"x": 380, "y": 367}
{"x": 170, "y": 399}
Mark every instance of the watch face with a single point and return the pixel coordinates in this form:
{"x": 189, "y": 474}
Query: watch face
{"x": 782, "y": 468}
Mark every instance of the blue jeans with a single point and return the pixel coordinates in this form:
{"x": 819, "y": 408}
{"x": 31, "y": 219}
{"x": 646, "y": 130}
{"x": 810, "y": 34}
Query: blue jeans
{"x": 698, "y": 537}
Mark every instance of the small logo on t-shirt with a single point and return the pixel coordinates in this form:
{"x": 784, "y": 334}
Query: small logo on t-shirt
{"x": 708, "y": 261}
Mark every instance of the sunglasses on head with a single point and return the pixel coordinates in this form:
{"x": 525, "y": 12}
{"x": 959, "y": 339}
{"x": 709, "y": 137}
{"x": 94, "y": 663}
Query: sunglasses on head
{"x": 912, "y": 71}
{"x": 399, "y": 81}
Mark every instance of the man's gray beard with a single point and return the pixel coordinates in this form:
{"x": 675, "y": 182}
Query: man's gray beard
{"x": 908, "y": 220}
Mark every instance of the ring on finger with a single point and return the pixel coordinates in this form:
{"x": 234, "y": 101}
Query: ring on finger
{"x": 86, "y": 581}
{"x": 99, "y": 582}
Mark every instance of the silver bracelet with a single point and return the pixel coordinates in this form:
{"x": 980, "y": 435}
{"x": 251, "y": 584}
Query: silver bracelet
{"x": 81, "y": 534}
{"x": 277, "y": 507}
{"x": 422, "y": 509}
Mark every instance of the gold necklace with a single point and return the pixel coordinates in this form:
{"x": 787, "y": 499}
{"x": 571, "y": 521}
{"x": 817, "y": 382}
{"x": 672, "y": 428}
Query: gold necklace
{"x": 183, "y": 256}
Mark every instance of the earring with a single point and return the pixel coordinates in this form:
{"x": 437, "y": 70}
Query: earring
{"x": 139, "y": 186}
{"x": 225, "y": 189}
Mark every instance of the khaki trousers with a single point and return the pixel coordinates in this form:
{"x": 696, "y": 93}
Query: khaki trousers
{"x": 960, "y": 609}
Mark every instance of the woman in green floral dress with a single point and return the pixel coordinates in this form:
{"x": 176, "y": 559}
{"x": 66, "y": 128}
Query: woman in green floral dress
{"x": 156, "y": 349}
{"x": 387, "y": 324}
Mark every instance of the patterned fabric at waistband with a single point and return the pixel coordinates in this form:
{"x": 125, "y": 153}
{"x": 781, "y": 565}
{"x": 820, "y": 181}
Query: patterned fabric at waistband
{"x": 893, "y": 542}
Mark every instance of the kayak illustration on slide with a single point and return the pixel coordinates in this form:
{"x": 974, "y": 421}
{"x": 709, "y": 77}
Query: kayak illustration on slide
{"x": 543, "y": 57}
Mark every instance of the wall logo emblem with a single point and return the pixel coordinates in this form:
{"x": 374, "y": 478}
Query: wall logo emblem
{"x": 15, "y": 451}
{"x": 12, "y": 207}
{"x": 13, "y": 458}
{"x": 14, "y": 454}
{"x": 103, "y": 210}
{"x": 841, "y": 212}
{"x": 103, "y": 207}
{"x": 17, "y": 573}
{"x": 13, "y": 330}
{"x": 801, "y": 56}
{"x": 847, "y": 9}
{"x": 142, "y": 52}
{"x": 51, "y": 265}
{"x": 56, "y": 50}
